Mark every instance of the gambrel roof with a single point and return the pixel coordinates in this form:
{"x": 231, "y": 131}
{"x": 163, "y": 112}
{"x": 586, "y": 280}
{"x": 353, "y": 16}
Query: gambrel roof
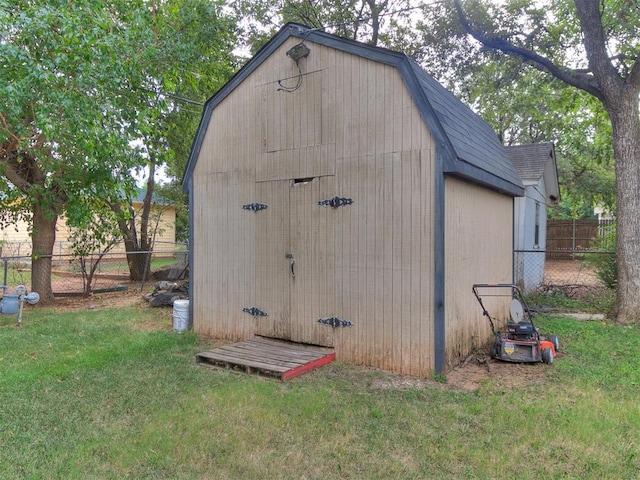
{"x": 467, "y": 147}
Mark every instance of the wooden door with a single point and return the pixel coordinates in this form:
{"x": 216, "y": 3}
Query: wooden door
{"x": 272, "y": 264}
{"x": 312, "y": 245}
{"x": 295, "y": 260}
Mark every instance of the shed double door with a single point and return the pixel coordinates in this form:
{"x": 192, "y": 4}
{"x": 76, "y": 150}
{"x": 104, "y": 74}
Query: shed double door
{"x": 295, "y": 260}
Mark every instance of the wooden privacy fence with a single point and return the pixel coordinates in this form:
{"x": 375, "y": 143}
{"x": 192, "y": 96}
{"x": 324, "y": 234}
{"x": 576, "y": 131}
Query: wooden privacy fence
{"x": 566, "y": 237}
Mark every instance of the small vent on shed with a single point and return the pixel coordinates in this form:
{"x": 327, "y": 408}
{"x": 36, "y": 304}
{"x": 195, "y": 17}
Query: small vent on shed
{"x": 302, "y": 181}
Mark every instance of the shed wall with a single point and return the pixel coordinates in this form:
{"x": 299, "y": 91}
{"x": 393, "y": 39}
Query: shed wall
{"x": 479, "y": 248}
{"x": 530, "y": 264}
{"x": 351, "y": 120}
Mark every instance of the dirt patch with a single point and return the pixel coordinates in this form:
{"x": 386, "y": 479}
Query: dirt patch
{"x": 126, "y": 298}
{"x": 471, "y": 376}
{"x": 570, "y": 272}
{"x": 475, "y": 371}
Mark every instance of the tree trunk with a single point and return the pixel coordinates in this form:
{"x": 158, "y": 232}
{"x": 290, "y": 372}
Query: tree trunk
{"x": 43, "y": 238}
{"x": 138, "y": 262}
{"x": 626, "y": 146}
{"x": 619, "y": 94}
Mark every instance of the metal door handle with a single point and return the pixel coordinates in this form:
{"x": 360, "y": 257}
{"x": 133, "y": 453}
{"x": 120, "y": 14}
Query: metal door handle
{"x": 293, "y": 264}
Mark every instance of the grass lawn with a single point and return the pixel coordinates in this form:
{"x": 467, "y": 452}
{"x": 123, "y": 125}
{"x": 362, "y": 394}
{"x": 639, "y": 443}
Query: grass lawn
{"x": 114, "y": 393}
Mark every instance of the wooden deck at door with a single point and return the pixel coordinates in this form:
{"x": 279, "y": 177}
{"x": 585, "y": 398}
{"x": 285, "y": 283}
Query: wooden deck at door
{"x": 271, "y": 357}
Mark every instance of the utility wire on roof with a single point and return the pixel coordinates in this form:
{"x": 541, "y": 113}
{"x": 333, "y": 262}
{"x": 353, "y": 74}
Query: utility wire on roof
{"x": 183, "y": 99}
{"x": 173, "y": 96}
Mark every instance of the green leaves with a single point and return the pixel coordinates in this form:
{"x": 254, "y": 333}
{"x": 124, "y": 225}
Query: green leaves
{"x": 84, "y": 84}
{"x": 86, "y": 92}
{"x": 522, "y": 103}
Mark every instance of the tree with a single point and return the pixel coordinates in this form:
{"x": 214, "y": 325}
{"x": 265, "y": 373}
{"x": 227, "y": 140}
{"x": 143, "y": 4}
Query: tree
{"x": 192, "y": 58}
{"x": 591, "y": 45}
{"x": 63, "y": 69}
{"x": 378, "y": 22}
{"x": 524, "y": 105}
{"x": 85, "y": 86}
{"x": 91, "y": 239}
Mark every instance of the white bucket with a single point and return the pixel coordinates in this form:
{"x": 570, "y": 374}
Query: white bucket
{"x": 180, "y": 315}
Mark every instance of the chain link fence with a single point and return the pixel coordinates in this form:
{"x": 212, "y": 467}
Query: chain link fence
{"x": 71, "y": 274}
{"x": 569, "y": 271}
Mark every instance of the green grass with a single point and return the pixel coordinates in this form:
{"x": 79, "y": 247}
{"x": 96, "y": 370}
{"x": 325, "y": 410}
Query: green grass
{"x": 113, "y": 393}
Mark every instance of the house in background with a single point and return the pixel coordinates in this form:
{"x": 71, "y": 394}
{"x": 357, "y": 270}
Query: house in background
{"x": 15, "y": 239}
{"x": 340, "y": 196}
{"x": 536, "y": 165}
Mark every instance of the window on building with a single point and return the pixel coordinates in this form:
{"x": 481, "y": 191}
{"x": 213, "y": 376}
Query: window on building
{"x": 536, "y": 232}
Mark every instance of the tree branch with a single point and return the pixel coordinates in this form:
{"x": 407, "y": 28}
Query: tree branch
{"x": 634, "y": 77}
{"x": 18, "y": 173}
{"x": 575, "y": 78}
{"x": 590, "y": 16}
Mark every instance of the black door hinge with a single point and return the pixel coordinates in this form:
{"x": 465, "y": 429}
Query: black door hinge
{"x": 335, "y": 322}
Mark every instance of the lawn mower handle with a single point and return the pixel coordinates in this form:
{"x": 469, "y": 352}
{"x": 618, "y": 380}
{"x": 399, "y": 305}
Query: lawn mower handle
{"x": 515, "y": 292}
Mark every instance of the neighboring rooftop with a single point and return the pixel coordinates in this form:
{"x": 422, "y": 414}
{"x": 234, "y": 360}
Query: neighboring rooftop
{"x": 534, "y": 162}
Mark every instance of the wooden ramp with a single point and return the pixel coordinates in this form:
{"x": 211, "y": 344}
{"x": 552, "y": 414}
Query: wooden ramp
{"x": 267, "y": 356}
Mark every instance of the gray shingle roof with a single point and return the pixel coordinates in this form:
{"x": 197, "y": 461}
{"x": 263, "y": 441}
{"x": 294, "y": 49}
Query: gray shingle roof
{"x": 530, "y": 160}
{"x": 466, "y": 145}
{"x": 472, "y": 139}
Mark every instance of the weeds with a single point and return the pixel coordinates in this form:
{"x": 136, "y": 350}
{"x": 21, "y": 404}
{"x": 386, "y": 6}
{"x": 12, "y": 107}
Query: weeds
{"x": 565, "y": 299}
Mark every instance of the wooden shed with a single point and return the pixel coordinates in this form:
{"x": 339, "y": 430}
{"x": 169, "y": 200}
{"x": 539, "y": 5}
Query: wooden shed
{"x": 340, "y": 196}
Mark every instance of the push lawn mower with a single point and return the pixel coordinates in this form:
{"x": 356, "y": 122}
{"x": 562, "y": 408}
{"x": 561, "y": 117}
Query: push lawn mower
{"x": 522, "y": 341}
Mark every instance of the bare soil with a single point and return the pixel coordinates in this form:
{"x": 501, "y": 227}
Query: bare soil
{"x": 482, "y": 368}
{"x": 570, "y": 272}
{"x": 72, "y": 299}
{"x": 475, "y": 371}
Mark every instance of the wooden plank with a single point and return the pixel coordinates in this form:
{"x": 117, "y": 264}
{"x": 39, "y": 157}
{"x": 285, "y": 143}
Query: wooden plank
{"x": 248, "y": 257}
{"x": 329, "y": 92}
{"x": 220, "y": 357}
{"x": 387, "y": 212}
{"x": 294, "y": 346}
{"x": 272, "y": 357}
{"x": 343, "y": 265}
{"x": 358, "y": 250}
{"x": 276, "y": 356}
{"x": 310, "y": 230}
{"x": 395, "y": 226}
{"x": 408, "y": 355}
{"x": 240, "y": 358}
{"x": 327, "y": 258}
{"x": 349, "y": 108}
{"x": 301, "y": 370}
{"x": 421, "y": 292}
{"x": 272, "y": 266}
{"x": 368, "y": 254}
{"x": 244, "y": 349}
{"x": 297, "y": 106}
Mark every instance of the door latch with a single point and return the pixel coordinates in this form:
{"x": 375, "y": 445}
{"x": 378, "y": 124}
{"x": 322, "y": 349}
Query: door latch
{"x": 293, "y": 263}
